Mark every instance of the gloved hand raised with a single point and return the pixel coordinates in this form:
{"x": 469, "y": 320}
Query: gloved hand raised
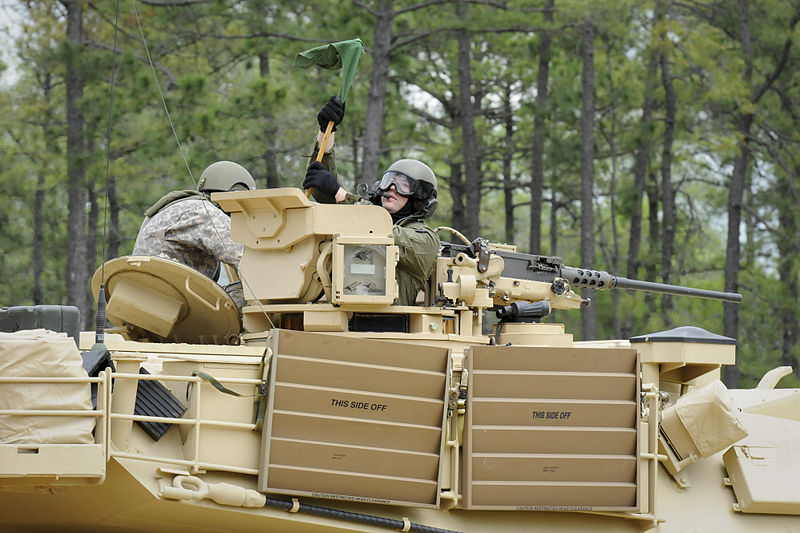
{"x": 332, "y": 111}
{"x": 318, "y": 177}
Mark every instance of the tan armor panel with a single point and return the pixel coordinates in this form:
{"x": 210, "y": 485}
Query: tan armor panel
{"x": 551, "y": 428}
{"x": 354, "y": 419}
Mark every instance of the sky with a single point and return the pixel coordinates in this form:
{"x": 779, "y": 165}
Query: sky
{"x": 8, "y": 30}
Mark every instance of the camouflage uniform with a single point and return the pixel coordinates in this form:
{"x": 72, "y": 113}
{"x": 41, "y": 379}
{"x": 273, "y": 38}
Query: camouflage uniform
{"x": 418, "y": 243}
{"x": 192, "y": 231}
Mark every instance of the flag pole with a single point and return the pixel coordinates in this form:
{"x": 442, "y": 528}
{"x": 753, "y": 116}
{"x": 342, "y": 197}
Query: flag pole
{"x": 344, "y": 55}
{"x": 322, "y": 147}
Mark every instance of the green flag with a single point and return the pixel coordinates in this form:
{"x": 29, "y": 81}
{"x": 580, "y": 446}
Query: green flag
{"x": 342, "y": 55}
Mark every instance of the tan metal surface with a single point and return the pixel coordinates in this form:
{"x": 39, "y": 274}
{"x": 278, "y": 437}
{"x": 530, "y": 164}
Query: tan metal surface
{"x": 531, "y": 412}
{"x": 404, "y": 451}
{"x": 163, "y": 298}
{"x": 354, "y": 419}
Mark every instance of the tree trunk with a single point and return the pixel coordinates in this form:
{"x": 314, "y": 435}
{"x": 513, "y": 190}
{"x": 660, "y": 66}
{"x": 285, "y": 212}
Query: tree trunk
{"x": 789, "y": 271}
{"x": 730, "y": 316}
{"x": 373, "y": 124}
{"x": 641, "y": 163}
{"x": 355, "y": 137}
{"x": 113, "y": 216}
{"x": 472, "y": 178}
{"x": 650, "y": 265}
{"x": 587, "y": 172}
{"x": 537, "y": 146}
{"x": 640, "y": 166}
{"x": 270, "y": 131}
{"x": 457, "y": 218}
{"x": 730, "y": 312}
{"x": 91, "y": 252}
{"x": 508, "y": 156}
{"x": 76, "y": 172}
{"x": 612, "y": 147}
{"x": 37, "y": 294}
{"x": 667, "y": 193}
{"x": 554, "y": 206}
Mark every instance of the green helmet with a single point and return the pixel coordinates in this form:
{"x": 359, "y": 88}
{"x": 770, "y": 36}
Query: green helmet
{"x": 225, "y": 176}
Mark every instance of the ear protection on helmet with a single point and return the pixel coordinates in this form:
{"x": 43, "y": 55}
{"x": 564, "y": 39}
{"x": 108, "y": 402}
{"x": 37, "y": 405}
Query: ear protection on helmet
{"x": 429, "y": 207}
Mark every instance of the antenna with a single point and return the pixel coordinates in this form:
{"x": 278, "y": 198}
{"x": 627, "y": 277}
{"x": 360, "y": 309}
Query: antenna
{"x": 100, "y": 316}
{"x": 177, "y": 140}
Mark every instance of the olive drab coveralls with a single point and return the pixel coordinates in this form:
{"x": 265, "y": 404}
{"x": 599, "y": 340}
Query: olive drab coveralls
{"x": 418, "y": 244}
{"x": 419, "y": 248}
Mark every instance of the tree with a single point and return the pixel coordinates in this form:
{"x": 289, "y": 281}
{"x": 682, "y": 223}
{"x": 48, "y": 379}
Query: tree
{"x": 539, "y": 130}
{"x": 472, "y": 170}
{"x": 589, "y": 314}
{"x": 76, "y": 274}
{"x": 386, "y": 43}
{"x": 744, "y": 119}
{"x": 667, "y": 192}
{"x": 487, "y": 97}
{"x": 642, "y": 152}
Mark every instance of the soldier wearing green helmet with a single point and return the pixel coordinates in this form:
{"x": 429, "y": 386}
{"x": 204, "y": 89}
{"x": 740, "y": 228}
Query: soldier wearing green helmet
{"x": 225, "y": 176}
{"x": 407, "y": 190}
{"x": 186, "y": 226}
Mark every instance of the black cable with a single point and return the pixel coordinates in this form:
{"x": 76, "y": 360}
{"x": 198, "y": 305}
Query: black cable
{"x": 498, "y": 331}
{"x": 373, "y": 520}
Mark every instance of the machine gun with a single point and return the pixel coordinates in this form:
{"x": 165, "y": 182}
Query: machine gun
{"x": 478, "y": 272}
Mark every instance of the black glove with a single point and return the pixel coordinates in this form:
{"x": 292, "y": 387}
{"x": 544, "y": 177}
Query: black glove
{"x": 318, "y": 177}
{"x": 332, "y": 111}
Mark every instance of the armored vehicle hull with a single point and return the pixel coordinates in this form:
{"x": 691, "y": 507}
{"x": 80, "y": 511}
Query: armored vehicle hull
{"x": 127, "y": 481}
{"x": 329, "y": 409}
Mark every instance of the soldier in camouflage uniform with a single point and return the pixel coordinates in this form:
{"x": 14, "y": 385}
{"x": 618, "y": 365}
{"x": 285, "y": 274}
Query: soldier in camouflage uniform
{"x": 187, "y": 227}
{"x": 407, "y": 190}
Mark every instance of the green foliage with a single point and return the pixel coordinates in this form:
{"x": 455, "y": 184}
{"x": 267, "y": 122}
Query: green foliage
{"x": 224, "y": 71}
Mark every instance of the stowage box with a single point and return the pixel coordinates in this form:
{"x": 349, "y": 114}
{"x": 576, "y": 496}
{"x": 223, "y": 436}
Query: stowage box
{"x": 354, "y": 419}
{"x": 58, "y": 318}
{"x": 551, "y": 428}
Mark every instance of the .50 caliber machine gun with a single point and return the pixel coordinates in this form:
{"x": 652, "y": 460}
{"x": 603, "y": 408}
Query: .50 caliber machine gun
{"x": 525, "y": 286}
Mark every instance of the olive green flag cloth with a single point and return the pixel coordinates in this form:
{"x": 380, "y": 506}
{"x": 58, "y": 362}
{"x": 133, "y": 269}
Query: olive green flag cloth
{"x": 344, "y": 55}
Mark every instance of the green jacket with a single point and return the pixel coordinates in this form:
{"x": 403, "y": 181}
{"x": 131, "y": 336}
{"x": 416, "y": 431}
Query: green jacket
{"x": 419, "y": 248}
{"x": 418, "y": 243}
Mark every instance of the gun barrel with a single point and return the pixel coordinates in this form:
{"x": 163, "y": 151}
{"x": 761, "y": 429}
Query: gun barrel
{"x": 601, "y": 280}
{"x": 649, "y": 286}
{"x": 546, "y": 268}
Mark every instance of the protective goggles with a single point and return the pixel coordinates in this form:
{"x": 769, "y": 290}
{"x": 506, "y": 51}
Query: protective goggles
{"x": 403, "y": 184}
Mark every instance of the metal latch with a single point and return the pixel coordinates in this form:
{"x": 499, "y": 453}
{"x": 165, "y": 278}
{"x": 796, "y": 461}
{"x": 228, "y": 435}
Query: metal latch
{"x": 458, "y": 395}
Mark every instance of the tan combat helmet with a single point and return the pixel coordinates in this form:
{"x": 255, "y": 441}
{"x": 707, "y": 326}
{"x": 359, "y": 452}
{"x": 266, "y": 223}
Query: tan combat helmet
{"x": 225, "y": 176}
{"x": 425, "y": 187}
{"x": 415, "y": 169}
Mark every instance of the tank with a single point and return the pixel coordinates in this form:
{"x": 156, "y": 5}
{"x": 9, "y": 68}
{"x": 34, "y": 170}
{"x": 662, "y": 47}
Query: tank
{"x": 323, "y": 407}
